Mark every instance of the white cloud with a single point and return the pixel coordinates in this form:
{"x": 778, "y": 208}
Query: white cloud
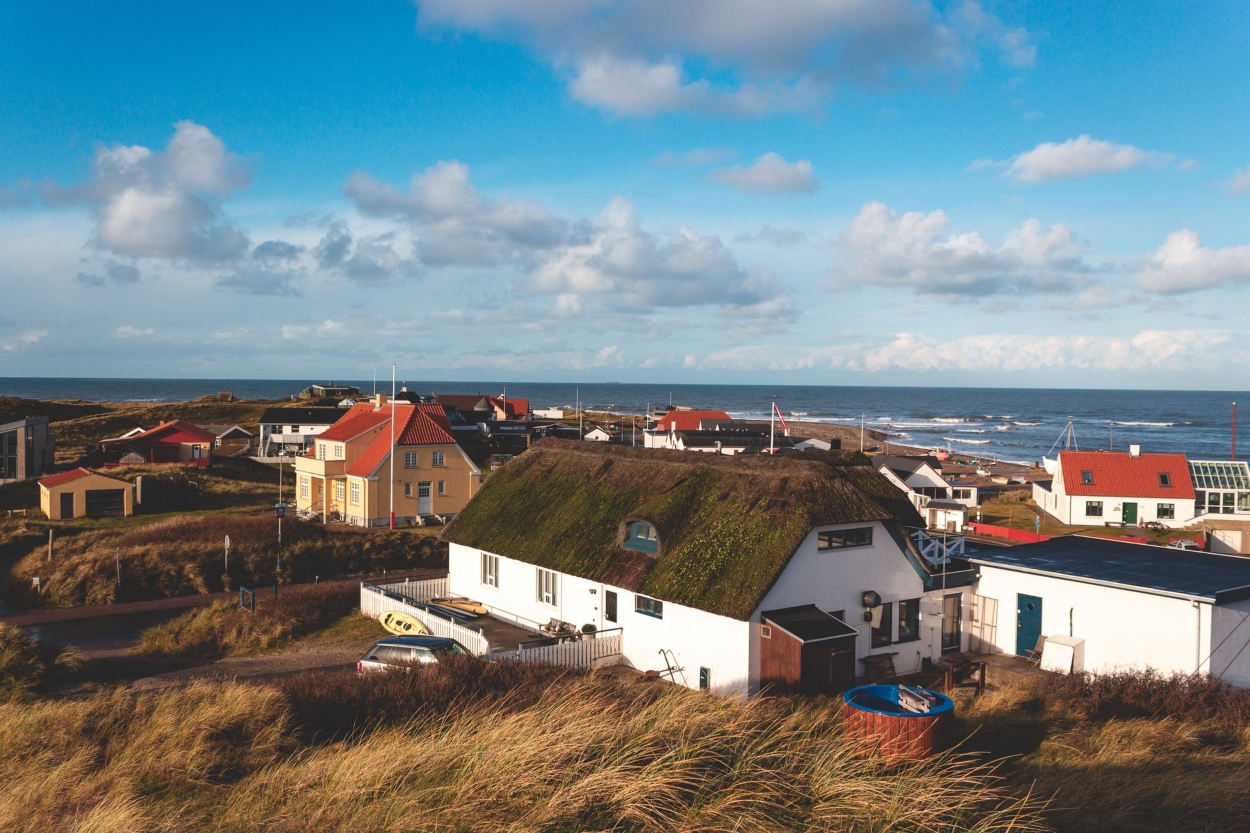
{"x": 1183, "y": 264}
{"x": 164, "y": 204}
{"x": 368, "y": 260}
{"x": 26, "y": 339}
{"x": 770, "y": 174}
{"x": 1142, "y": 352}
{"x": 780, "y": 237}
{"x": 116, "y": 274}
{"x": 131, "y": 331}
{"x": 272, "y": 268}
{"x": 1241, "y": 181}
{"x": 637, "y": 57}
{"x": 883, "y": 248}
{"x": 1079, "y": 157}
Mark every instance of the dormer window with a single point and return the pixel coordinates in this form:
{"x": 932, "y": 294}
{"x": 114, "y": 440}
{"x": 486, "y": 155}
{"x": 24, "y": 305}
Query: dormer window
{"x": 642, "y": 538}
{"x": 1087, "y": 477}
{"x": 1165, "y": 480}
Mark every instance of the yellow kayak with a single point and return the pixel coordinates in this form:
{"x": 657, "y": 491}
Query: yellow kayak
{"x": 467, "y": 605}
{"x": 402, "y": 624}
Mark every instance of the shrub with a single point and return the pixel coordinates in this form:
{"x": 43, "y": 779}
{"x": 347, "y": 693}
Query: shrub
{"x": 1125, "y": 695}
{"x": 226, "y": 629}
{"x": 27, "y": 665}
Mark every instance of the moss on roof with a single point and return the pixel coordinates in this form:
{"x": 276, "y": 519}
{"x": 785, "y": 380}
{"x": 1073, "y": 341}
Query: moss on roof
{"x": 727, "y": 525}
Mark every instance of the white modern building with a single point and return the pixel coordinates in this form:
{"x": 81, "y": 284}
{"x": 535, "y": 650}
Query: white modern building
{"x": 1117, "y": 488}
{"x": 1118, "y": 605}
{"x": 291, "y": 430}
{"x": 708, "y": 560}
{"x": 926, "y": 489}
{"x": 1221, "y": 487}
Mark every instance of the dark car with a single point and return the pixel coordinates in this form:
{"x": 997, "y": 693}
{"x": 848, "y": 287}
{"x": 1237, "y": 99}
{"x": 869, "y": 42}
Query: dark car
{"x": 400, "y": 651}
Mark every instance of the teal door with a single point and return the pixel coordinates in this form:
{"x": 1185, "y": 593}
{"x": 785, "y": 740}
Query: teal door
{"x": 1028, "y": 622}
{"x": 1130, "y": 514}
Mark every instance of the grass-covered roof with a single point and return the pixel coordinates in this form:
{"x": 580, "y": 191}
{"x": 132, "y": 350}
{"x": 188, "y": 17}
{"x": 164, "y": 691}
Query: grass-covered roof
{"x": 727, "y": 525}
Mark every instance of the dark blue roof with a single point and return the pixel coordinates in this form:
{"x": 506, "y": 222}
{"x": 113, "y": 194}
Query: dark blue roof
{"x": 1217, "y": 578}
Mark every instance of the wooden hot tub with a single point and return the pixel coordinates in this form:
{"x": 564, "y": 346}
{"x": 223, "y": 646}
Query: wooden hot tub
{"x": 872, "y": 714}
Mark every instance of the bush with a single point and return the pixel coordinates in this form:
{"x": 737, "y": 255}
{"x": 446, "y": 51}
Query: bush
{"x": 1125, "y": 695}
{"x": 226, "y": 629}
{"x": 336, "y": 704}
{"x": 27, "y": 665}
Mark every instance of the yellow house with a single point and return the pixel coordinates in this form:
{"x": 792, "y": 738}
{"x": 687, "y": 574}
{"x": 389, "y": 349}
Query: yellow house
{"x": 79, "y": 493}
{"x": 346, "y": 476}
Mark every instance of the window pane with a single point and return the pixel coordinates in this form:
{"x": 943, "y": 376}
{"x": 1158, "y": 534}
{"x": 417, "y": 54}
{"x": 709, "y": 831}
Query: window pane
{"x": 908, "y": 620}
{"x": 882, "y": 625}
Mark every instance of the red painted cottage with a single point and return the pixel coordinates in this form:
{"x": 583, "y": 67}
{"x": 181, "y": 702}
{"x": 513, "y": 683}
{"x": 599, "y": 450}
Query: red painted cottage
{"x": 176, "y": 441}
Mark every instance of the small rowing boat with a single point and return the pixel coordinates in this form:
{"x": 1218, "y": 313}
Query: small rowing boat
{"x": 461, "y": 604}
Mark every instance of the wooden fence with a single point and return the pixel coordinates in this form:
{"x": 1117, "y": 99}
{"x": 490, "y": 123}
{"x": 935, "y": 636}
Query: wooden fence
{"x": 575, "y": 652}
{"x": 378, "y": 599}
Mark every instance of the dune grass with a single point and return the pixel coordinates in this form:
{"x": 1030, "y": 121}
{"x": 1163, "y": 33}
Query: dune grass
{"x": 226, "y": 629}
{"x": 183, "y": 555}
{"x": 26, "y": 665}
{"x": 540, "y": 751}
{"x": 1132, "y": 751}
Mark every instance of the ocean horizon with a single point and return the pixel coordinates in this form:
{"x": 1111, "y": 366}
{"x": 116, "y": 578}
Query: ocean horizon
{"x": 1018, "y": 424}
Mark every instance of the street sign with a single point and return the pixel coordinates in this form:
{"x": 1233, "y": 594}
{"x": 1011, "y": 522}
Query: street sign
{"x": 280, "y": 510}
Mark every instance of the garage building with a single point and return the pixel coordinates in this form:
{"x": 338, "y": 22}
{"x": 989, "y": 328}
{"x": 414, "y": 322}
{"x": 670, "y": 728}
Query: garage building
{"x": 84, "y": 493}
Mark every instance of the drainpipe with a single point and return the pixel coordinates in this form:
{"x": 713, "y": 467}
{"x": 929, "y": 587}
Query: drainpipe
{"x": 1198, "y": 638}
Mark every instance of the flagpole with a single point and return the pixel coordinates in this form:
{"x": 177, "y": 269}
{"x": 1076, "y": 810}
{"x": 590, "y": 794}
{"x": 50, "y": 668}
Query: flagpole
{"x": 392, "y": 489}
{"x": 771, "y": 445}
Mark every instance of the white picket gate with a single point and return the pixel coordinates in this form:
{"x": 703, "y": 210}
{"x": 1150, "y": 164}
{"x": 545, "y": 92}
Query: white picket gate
{"x": 376, "y": 600}
{"x": 578, "y": 653}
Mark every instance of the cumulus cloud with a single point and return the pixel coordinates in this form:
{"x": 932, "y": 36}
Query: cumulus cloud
{"x": 915, "y": 250}
{"x": 743, "y": 58}
{"x": 770, "y": 174}
{"x": 271, "y": 268}
{"x": 572, "y": 261}
{"x": 459, "y": 226}
{"x": 1079, "y": 157}
{"x": 1183, "y": 264}
{"x": 369, "y": 260}
{"x": 164, "y": 204}
{"x": 23, "y": 340}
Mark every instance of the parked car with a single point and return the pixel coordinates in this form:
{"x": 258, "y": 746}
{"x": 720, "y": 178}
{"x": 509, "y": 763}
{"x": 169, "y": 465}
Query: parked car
{"x": 400, "y": 651}
{"x": 1186, "y": 544}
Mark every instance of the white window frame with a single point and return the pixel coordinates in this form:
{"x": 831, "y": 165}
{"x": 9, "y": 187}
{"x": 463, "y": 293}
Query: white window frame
{"x": 321, "y": 451}
{"x": 338, "y": 451}
{"x": 304, "y": 488}
{"x": 410, "y": 459}
{"x": 490, "y": 570}
{"x": 355, "y": 492}
{"x": 548, "y": 584}
{"x": 437, "y": 459}
{"x": 339, "y": 490}
{"x": 442, "y": 487}
{"x": 407, "y": 488}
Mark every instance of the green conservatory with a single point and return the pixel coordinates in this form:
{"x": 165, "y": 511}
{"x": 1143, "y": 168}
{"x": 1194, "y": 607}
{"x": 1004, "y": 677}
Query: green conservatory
{"x": 1220, "y": 487}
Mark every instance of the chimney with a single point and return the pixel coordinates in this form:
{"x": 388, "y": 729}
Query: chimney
{"x": 1134, "y": 451}
{"x": 379, "y": 401}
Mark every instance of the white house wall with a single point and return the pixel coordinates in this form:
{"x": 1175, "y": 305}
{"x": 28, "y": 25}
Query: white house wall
{"x": 835, "y": 580}
{"x": 697, "y": 639}
{"x": 1230, "y": 639}
{"x": 1122, "y": 628}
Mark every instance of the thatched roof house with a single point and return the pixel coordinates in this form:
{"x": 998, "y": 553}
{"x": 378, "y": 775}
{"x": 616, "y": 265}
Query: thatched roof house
{"x": 727, "y": 526}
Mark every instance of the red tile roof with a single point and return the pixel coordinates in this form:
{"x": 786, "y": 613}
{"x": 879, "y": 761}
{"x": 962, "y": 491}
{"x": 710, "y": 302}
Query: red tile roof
{"x": 55, "y": 480}
{"x": 355, "y": 422}
{"x": 421, "y": 424}
{"x": 512, "y": 408}
{"x": 1119, "y": 474}
{"x": 687, "y": 420}
{"x": 168, "y": 430}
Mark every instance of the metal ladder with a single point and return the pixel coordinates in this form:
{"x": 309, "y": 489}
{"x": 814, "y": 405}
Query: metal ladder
{"x": 672, "y": 669}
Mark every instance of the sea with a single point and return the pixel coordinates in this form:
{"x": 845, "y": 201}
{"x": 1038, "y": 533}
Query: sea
{"x": 1012, "y": 424}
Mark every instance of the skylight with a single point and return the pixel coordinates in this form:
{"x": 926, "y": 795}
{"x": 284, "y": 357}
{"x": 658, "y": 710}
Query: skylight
{"x": 1087, "y": 477}
{"x": 1165, "y": 480}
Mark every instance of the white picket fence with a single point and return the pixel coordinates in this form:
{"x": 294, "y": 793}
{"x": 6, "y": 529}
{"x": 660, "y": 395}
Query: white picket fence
{"x": 579, "y": 653}
{"x": 376, "y": 600}
{"x": 422, "y": 591}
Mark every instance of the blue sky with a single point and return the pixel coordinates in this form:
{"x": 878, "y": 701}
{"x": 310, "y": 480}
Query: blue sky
{"x": 820, "y": 192}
